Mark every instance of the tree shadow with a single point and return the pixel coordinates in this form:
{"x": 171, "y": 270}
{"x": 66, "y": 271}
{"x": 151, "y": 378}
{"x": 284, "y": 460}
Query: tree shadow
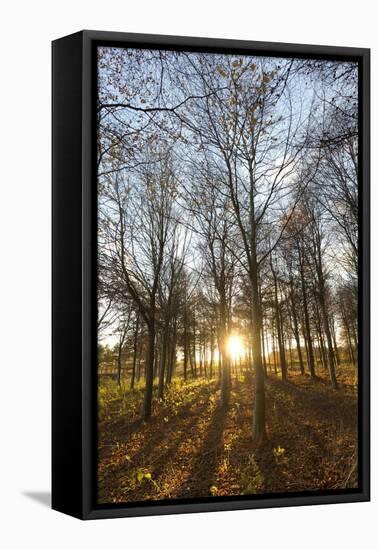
{"x": 203, "y": 467}
{"x": 304, "y": 422}
{"x": 155, "y": 434}
{"x": 163, "y": 460}
{"x": 318, "y": 397}
{"x": 183, "y": 419}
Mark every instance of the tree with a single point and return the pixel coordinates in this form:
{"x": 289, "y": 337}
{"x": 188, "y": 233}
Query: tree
{"x": 137, "y": 226}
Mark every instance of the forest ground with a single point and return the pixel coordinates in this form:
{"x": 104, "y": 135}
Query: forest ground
{"x": 191, "y": 448}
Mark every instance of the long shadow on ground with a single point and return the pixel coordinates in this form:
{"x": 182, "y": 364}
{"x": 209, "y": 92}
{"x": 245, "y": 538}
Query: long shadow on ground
{"x": 202, "y": 469}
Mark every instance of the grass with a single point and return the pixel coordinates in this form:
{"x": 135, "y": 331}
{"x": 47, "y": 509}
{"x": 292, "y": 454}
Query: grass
{"x": 191, "y": 448}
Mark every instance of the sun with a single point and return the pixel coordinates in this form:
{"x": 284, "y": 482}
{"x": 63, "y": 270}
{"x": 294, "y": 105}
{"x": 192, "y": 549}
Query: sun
{"x": 235, "y": 347}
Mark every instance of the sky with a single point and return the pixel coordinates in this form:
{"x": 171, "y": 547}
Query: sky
{"x": 138, "y": 76}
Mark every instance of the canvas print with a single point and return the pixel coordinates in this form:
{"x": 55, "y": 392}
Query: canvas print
{"x": 227, "y": 275}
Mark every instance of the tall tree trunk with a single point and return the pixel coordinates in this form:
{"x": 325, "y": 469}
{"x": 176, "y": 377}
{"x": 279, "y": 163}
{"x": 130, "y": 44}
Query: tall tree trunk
{"x": 185, "y": 354}
{"x": 331, "y": 363}
{"x": 172, "y": 354}
{"x": 200, "y": 355}
{"x": 119, "y": 352}
{"x": 355, "y": 338}
{"x": 296, "y": 328}
{"x": 349, "y": 342}
{"x": 267, "y": 351}
{"x": 324, "y": 310}
{"x": 156, "y": 359}
{"x": 119, "y": 364}
{"x": 259, "y": 421}
{"x": 211, "y": 354}
{"x": 225, "y": 360}
{"x": 336, "y": 352}
{"x": 321, "y": 356}
{"x": 194, "y": 347}
{"x": 290, "y": 351}
{"x": 323, "y": 350}
{"x": 135, "y": 350}
{"x": 139, "y": 361}
{"x": 194, "y": 358}
{"x": 149, "y": 370}
{"x": 311, "y": 360}
{"x": 264, "y": 351}
{"x": 163, "y": 359}
{"x": 283, "y": 363}
{"x": 320, "y": 338}
{"x": 273, "y": 344}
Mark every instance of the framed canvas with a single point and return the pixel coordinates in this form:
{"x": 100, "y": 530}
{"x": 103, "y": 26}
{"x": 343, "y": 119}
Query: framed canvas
{"x": 210, "y": 275}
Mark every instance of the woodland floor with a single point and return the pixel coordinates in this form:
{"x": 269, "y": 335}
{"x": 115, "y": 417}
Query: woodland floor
{"x": 191, "y": 448}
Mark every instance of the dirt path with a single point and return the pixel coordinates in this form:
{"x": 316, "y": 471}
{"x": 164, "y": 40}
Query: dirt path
{"x": 191, "y": 448}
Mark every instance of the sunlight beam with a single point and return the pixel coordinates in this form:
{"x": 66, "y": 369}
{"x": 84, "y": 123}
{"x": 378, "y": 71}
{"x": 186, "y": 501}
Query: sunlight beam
{"x": 235, "y": 347}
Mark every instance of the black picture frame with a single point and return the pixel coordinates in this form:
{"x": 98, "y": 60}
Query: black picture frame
{"x": 74, "y": 268}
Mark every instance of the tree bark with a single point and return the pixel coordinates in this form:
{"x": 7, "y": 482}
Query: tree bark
{"x": 149, "y": 371}
{"x": 259, "y": 421}
{"x": 311, "y": 360}
{"x": 135, "y": 350}
{"x": 279, "y": 328}
{"x": 296, "y": 327}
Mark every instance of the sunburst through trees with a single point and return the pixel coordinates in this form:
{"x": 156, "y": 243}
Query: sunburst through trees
{"x": 227, "y": 274}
